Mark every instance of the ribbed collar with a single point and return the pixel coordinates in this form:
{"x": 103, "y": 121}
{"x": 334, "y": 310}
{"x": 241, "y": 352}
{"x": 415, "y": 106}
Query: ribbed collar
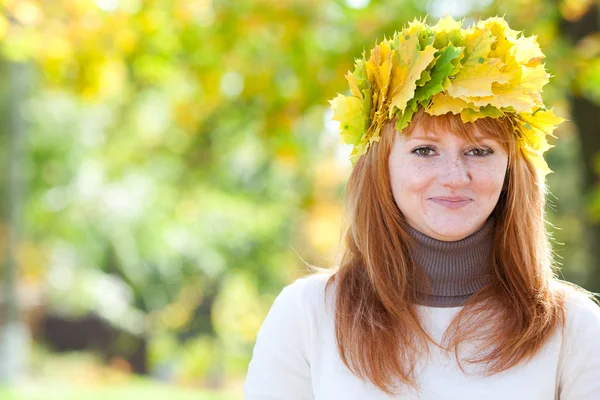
{"x": 456, "y": 269}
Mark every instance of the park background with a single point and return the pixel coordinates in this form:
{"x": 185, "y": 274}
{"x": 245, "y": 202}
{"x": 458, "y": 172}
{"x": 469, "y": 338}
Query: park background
{"x": 169, "y": 165}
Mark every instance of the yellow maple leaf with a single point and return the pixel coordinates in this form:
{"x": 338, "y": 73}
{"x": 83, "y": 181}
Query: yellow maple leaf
{"x": 533, "y": 129}
{"x": 472, "y": 115}
{"x": 522, "y": 92}
{"x": 527, "y": 51}
{"x": 505, "y": 37}
{"x": 538, "y": 161}
{"x": 408, "y": 63}
{"x": 446, "y": 24}
{"x": 478, "y": 72}
{"x": 447, "y": 31}
{"x": 478, "y": 80}
{"x": 442, "y": 103}
{"x": 385, "y": 70}
{"x": 379, "y": 68}
{"x": 348, "y": 111}
{"x": 540, "y": 123}
{"x": 533, "y": 79}
{"x": 415, "y": 27}
{"x": 362, "y": 147}
{"x": 353, "y": 85}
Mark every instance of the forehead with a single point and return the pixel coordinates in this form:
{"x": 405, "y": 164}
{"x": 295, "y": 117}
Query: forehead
{"x": 439, "y": 134}
{"x": 425, "y": 125}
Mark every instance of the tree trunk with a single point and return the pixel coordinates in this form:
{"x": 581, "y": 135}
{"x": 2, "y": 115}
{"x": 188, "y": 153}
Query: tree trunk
{"x": 586, "y": 116}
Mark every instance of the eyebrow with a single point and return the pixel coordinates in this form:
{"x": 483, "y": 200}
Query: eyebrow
{"x": 436, "y": 139}
{"x": 432, "y": 138}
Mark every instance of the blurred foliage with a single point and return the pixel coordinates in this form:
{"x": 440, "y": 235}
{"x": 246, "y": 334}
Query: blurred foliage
{"x": 180, "y": 153}
{"x": 81, "y": 376}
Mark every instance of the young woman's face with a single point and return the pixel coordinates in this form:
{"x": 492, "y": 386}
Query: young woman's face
{"x": 445, "y": 187}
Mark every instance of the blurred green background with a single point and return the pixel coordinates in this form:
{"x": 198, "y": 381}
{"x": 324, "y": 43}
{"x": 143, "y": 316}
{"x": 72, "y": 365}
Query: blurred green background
{"x": 169, "y": 165}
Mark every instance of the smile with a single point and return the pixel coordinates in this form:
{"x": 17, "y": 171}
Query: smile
{"x": 451, "y": 203}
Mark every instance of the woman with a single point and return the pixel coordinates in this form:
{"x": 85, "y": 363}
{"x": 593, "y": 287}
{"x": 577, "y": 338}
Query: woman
{"x": 446, "y": 288}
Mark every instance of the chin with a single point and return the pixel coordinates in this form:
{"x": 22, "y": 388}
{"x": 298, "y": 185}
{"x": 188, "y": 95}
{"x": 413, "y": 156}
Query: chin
{"x": 451, "y": 236}
{"x": 453, "y": 232}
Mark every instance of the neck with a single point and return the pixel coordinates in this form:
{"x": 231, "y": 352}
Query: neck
{"x": 456, "y": 269}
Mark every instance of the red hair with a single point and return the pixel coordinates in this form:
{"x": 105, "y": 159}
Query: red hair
{"x": 376, "y": 280}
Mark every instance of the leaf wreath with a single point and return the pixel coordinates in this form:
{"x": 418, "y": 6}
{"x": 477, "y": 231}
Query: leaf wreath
{"x": 487, "y": 70}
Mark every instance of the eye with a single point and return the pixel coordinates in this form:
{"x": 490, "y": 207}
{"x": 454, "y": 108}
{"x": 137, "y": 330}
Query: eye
{"x": 481, "y": 152}
{"x": 423, "y": 151}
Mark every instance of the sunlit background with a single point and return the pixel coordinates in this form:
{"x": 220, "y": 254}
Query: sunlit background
{"x": 169, "y": 165}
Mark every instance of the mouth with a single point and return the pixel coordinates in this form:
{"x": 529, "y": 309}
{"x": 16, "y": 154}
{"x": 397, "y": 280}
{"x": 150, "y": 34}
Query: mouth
{"x": 452, "y": 202}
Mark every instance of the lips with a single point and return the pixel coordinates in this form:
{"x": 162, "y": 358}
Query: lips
{"x": 451, "y": 198}
{"x": 451, "y": 202}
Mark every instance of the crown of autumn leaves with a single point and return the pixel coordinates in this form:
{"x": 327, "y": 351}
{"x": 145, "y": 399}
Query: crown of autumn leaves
{"x": 487, "y": 70}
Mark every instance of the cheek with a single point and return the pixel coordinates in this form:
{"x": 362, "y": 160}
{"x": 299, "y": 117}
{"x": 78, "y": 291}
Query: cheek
{"x": 490, "y": 180}
{"x": 408, "y": 180}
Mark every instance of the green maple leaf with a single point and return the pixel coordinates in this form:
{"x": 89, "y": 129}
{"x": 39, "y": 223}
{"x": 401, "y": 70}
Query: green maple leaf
{"x": 442, "y": 69}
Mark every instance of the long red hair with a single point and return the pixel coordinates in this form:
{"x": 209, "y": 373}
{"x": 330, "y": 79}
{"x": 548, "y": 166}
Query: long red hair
{"x": 378, "y": 331}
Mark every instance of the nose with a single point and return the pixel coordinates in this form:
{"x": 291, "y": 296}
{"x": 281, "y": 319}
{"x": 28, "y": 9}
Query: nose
{"x": 454, "y": 173}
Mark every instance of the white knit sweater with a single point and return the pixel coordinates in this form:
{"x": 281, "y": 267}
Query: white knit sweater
{"x": 296, "y": 358}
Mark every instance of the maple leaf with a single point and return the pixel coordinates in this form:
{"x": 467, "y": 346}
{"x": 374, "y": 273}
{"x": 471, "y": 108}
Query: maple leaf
{"x": 360, "y": 75}
{"x": 442, "y": 104}
{"x": 404, "y": 118}
{"x": 379, "y": 68}
{"x": 477, "y": 72}
{"x": 521, "y": 93}
{"x": 532, "y": 129}
{"x": 471, "y": 115}
{"x": 447, "y": 24}
{"x": 527, "y": 51}
{"x": 408, "y": 64}
{"x": 535, "y": 126}
{"x": 354, "y": 89}
{"x": 439, "y": 74}
{"x": 425, "y": 77}
{"x": 348, "y": 111}
{"x": 504, "y": 37}
{"x": 538, "y": 161}
{"x": 360, "y": 86}
{"x": 359, "y": 150}
{"x": 447, "y": 32}
{"x": 419, "y": 28}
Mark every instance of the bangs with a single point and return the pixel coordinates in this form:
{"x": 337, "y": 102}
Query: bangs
{"x": 498, "y": 129}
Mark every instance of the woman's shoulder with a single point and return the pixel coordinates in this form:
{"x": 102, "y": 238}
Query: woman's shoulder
{"x": 581, "y": 309}
{"x": 580, "y": 353}
{"x": 304, "y": 302}
{"x": 311, "y": 289}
